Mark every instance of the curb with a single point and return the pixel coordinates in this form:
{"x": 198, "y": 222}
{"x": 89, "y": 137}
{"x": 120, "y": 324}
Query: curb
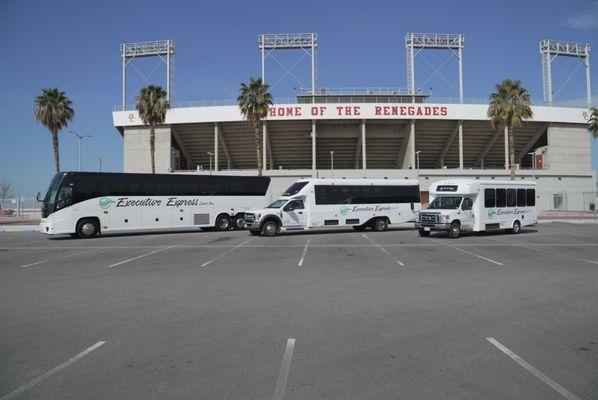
{"x": 19, "y": 228}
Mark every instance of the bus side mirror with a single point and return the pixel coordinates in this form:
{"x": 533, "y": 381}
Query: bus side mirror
{"x": 38, "y": 197}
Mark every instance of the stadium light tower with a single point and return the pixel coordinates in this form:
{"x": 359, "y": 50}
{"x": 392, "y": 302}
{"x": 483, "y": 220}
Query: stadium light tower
{"x": 308, "y": 42}
{"x": 550, "y": 50}
{"x": 163, "y": 49}
{"x": 416, "y": 42}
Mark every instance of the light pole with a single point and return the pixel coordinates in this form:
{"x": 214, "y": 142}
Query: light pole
{"x": 332, "y": 162}
{"x": 533, "y": 154}
{"x": 80, "y": 137}
{"x": 417, "y": 163}
{"x": 100, "y": 159}
{"x": 211, "y": 155}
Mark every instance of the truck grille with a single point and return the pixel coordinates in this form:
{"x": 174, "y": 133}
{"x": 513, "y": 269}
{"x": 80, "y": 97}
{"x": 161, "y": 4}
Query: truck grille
{"x": 249, "y": 217}
{"x": 427, "y": 218}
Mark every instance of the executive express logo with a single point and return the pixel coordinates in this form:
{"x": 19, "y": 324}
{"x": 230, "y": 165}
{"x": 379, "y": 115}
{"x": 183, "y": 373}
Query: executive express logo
{"x": 106, "y": 202}
{"x": 491, "y": 214}
{"x": 345, "y": 210}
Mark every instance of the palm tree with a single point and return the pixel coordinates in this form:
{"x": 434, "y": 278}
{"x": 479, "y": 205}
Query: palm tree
{"x": 152, "y": 106}
{"x": 593, "y": 122}
{"x": 54, "y": 110}
{"x": 508, "y": 107}
{"x": 254, "y": 101}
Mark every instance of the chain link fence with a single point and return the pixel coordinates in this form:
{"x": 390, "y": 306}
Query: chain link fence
{"x": 19, "y": 209}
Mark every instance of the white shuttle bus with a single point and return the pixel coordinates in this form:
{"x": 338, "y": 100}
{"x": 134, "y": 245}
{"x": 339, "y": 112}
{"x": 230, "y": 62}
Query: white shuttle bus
{"x": 86, "y": 204}
{"x": 338, "y": 203}
{"x": 471, "y": 205}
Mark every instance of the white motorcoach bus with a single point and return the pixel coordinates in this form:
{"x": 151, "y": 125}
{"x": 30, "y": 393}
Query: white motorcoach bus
{"x": 471, "y": 205}
{"x": 86, "y": 204}
{"x": 337, "y": 203}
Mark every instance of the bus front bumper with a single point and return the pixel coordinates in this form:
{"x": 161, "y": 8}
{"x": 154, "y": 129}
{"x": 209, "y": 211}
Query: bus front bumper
{"x": 436, "y": 226}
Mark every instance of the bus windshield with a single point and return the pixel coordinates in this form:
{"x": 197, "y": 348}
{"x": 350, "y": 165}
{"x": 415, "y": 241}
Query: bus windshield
{"x": 50, "y": 198}
{"x": 277, "y": 204}
{"x": 445, "y": 203}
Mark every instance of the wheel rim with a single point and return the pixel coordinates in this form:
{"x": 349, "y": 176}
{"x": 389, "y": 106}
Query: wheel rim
{"x": 88, "y": 229}
{"x": 455, "y": 230}
{"x": 516, "y": 227}
{"x": 381, "y": 225}
{"x": 223, "y": 223}
{"x": 270, "y": 229}
{"x": 240, "y": 222}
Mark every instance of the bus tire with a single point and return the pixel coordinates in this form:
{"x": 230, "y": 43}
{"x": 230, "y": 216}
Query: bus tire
{"x": 223, "y": 222}
{"x": 424, "y": 233}
{"x": 455, "y": 230}
{"x": 516, "y": 227}
{"x": 87, "y": 228}
{"x": 380, "y": 224}
{"x": 239, "y": 222}
{"x": 270, "y": 228}
{"x": 254, "y": 233}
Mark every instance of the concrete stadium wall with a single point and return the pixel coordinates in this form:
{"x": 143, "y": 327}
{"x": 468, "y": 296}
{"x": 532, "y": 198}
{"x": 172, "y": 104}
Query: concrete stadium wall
{"x": 137, "y": 149}
{"x": 568, "y": 149}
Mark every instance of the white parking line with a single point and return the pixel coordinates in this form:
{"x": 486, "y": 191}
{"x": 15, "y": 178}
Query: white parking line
{"x": 283, "y": 374}
{"x": 225, "y": 253}
{"x": 533, "y": 370}
{"x": 304, "y": 252}
{"x": 60, "y": 258}
{"x": 51, "y": 372}
{"x": 470, "y": 253}
{"x": 383, "y": 250}
{"x": 138, "y": 257}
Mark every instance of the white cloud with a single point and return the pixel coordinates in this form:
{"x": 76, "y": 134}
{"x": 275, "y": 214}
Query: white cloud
{"x": 587, "y": 19}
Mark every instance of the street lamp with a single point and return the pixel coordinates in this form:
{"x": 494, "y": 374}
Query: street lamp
{"x": 332, "y": 163}
{"x": 211, "y": 155}
{"x": 533, "y": 154}
{"x": 80, "y": 137}
{"x": 100, "y": 159}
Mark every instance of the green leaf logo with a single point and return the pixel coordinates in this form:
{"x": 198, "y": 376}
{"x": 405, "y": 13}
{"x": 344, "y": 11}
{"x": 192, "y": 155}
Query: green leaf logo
{"x": 105, "y": 202}
{"x": 491, "y": 213}
{"x": 345, "y": 210}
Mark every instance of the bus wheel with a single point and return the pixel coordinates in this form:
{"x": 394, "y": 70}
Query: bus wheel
{"x": 239, "y": 222}
{"x": 380, "y": 224}
{"x": 516, "y": 227}
{"x": 87, "y": 228}
{"x": 455, "y": 230}
{"x": 270, "y": 229}
{"x": 223, "y": 223}
{"x": 424, "y": 233}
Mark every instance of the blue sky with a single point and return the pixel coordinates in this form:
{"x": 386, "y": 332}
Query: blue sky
{"x": 74, "y": 45}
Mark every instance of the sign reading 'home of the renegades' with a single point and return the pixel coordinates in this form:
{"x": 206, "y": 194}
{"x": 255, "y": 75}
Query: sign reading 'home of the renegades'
{"x": 360, "y": 111}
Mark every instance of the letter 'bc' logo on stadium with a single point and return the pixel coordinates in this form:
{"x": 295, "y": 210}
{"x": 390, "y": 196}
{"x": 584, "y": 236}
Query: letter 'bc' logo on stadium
{"x": 491, "y": 214}
{"x": 105, "y": 202}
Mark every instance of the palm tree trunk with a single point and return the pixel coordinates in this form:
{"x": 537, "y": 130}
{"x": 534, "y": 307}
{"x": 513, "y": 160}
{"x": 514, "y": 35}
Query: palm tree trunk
{"x": 56, "y": 150}
{"x": 153, "y": 147}
{"x": 258, "y": 147}
{"x": 512, "y": 152}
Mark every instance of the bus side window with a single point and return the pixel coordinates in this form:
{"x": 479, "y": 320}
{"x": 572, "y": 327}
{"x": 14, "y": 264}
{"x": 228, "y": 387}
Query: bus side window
{"x": 489, "y": 198}
{"x": 521, "y": 198}
{"x": 65, "y": 197}
{"x": 511, "y": 197}
{"x": 501, "y": 197}
{"x": 531, "y": 197}
{"x": 467, "y": 204}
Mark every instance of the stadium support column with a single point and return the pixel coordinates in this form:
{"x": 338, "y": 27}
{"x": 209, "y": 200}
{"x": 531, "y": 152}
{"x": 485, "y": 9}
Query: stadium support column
{"x": 460, "y": 144}
{"x": 313, "y": 145}
{"x": 216, "y": 128}
{"x": 409, "y": 159}
{"x": 264, "y": 144}
{"x": 506, "y": 147}
{"x": 124, "y": 57}
{"x": 363, "y": 145}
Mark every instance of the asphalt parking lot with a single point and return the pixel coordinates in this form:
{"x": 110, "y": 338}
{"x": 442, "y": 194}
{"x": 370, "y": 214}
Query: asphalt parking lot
{"x": 342, "y": 315}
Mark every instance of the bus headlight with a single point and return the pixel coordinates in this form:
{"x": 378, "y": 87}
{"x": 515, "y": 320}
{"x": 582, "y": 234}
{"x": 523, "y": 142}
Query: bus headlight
{"x": 443, "y": 218}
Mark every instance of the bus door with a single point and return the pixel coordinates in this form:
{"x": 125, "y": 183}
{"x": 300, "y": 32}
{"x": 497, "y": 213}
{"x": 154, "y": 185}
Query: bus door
{"x": 467, "y": 216}
{"x": 294, "y": 214}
